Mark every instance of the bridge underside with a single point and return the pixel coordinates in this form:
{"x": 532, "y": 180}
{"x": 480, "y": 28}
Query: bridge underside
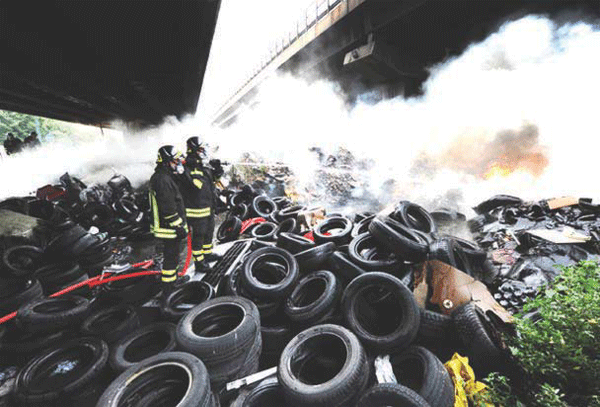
{"x": 384, "y": 47}
{"x": 94, "y": 61}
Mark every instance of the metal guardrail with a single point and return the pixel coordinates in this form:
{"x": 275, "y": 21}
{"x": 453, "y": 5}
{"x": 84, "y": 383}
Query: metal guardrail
{"x": 313, "y": 14}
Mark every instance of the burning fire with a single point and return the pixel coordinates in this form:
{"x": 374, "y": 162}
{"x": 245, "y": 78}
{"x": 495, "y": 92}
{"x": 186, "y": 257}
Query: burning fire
{"x": 497, "y": 170}
{"x": 533, "y": 163}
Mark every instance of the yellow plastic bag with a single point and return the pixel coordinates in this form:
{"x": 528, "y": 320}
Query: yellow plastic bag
{"x": 465, "y": 386}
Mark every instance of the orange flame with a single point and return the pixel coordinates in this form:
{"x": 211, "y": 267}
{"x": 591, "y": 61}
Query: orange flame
{"x": 497, "y": 170}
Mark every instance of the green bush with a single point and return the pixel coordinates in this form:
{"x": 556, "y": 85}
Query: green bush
{"x": 561, "y": 349}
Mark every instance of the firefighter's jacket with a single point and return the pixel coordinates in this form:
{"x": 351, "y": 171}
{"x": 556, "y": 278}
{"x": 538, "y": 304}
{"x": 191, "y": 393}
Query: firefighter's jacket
{"x": 197, "y": 189}
{"x": 166, "y": 202}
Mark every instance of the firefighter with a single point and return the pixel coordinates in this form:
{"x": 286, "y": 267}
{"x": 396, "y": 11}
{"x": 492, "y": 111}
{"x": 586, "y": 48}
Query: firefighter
{"x": 198, "y": 190}
{"x": 168, "y": 212}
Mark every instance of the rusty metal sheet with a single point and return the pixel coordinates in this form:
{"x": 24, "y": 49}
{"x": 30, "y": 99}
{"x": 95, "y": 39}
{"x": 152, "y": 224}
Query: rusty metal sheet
{"x": 453, "y": 288}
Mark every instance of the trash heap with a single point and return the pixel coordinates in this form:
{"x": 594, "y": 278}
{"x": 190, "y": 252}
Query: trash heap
{"x": 305, "y": 307}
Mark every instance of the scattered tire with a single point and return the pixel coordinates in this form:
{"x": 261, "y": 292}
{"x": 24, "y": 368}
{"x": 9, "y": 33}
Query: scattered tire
{"x": 266, "y": 393}
{"x": 61, "y": 372}
{"x": 54, "y": 276}
{"x": 135, "y": 290}
{"x": 259, "y": 277}
{"x": 323, "y": 366}
{"x": 112, "y": 323}
{"x": 229, "y": 230}
{"x": 169, "y": 379}
{"x": 391, "y": 394}
{"x": 15, "y": 293}
{"x": 290, "y": 212}
{"x": 399, "y": 239}
{"x": 144, "y": 342}
{"x": 336, "y": 229}
{"x": 315, "y": 257}
{"x": 225, "y": 334}
{"x": 314, "y": 299}
{"x": 294, "y": 243}
{"x": 49, "y": 314}
{"x": 438, "y": 334}
{"x": 415, "y": 217}
{"x": 288, "y": 226}
{"x": 362, "y": 226}
{"x": 263, "y": 206}
{"x": 344, "y": 269}
{"x": 21, "y": 261}
{"x": 382, "y": 260}
{"x": 240, "y": 211}
{"x": 264, "y": 231}
{"x": 18, "y": 345}
{"x": 366, "y": 303}
{"x": 479, "y": 339}
{"x": 421, "y": 371}
{"x": 185, "y": 297}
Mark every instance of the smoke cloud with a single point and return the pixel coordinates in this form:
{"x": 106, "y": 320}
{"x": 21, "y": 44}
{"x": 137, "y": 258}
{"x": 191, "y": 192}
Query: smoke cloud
{"x": 524, "y": 100}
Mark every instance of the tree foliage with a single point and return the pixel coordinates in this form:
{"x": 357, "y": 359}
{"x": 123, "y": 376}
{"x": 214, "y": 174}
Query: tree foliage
{"x": 21, "y": 125}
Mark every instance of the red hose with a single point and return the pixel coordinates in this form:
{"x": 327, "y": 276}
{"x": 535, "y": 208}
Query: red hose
{"x": 104, "y": 278}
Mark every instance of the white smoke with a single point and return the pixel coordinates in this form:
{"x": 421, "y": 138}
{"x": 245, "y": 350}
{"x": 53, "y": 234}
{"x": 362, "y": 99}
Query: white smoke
{"x": 531, "y": 74}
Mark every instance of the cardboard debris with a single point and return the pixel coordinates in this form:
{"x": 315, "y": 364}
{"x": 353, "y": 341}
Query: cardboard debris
{"x": 557, "y": 203}
{"x": 566, "y": 235}
{"x": 453, "y": 288}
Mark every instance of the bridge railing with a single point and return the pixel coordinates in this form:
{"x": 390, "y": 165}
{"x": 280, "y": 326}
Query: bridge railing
{"x": 315, "y": 12}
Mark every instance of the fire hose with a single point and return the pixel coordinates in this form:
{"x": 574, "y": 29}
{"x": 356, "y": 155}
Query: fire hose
{"x": 108, "y": 277}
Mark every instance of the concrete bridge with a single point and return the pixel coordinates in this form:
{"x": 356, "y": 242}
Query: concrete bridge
{"x": 383, "y": 46}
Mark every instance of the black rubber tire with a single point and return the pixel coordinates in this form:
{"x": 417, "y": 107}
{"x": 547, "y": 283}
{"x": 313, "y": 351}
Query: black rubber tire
{"x": 391, "y": 394}
{"x": 415, "y": 217}
{"x": 267, "y": 393}
{"x": 154, "y": 381}
{"x": 290, "y": 212}
{"x": 262, "y": 289}
{"x": 362, "y": 226}
{"x": 240, "y": 211}
{"x": 294, "y": 243}
{"x": 111, "y": 324}
{"x": 144, "y": 342}
{"x": 497, "y": 201}
{"x": 263, "y": 206}
{"x": 264, "y": 231}
{"x": 225, "y": 334}
{"x": 191, "y": 294}
{"x": 49, "y": 314}
{"x": 135, "y": 290}
{"x": 229, "y": 230}
{"x": 304, "y": 307}
{"x": 437, "y": 333}
{"x": 56, "y": 275}
{"x": 399, "y": 239}
{"x": 17, "y": 345}
{"x": 281, "y": 202}
{"x": 336, "y": 222}
{"x": 344, "y": 269}
{"x": 288, "y": 226}
{"x": 276, "y": 334}
{"x": 47, "y": 363}
{"x": 476, "y": 336}
{"x": 421, "y": 371}
{"x": 405, "y": 324}
{"x": 308, "y": 353}
{"x": 61, "y": 244}
{"x": 314, "y": 258}
{"x": 474, "y": 254}
{"x": 16, "y": 293}
{"x": 443, "y": 250}
{"x": 21, "y": 261}
{"x": 361, "y": 242}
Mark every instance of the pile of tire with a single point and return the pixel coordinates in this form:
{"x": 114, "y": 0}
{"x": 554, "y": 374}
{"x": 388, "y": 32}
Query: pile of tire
{"x": 321, "y": 310}
{"x": 248, "y": 203}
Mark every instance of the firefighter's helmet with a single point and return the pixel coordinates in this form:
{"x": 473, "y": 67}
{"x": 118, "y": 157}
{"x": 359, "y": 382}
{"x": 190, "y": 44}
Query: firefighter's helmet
{"x": 167, "y": 154}
{"x": 194, "y": 144}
